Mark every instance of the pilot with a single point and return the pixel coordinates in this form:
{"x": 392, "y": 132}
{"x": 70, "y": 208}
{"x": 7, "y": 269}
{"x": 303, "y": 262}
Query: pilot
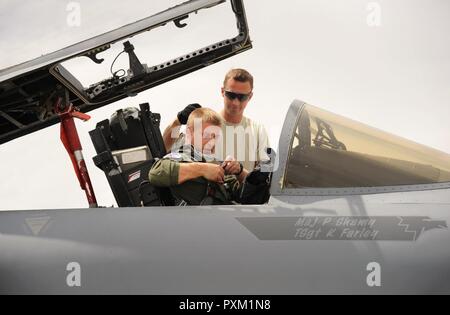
{"x": 242, "y": 138}
{"x": 195, "y": 177}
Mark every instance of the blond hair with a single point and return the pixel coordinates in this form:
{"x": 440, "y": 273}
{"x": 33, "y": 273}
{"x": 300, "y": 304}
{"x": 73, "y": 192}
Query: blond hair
{"x": 240, "y": 75}
{"x": 207, "y": 115}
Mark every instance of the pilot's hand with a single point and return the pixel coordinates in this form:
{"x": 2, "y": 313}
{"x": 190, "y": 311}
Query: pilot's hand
{"x": 232, "y": 167}
{"x": 183, "y": 116}
{"x": 213, "y": 173}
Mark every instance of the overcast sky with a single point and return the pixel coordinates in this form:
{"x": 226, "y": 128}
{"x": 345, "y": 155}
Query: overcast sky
{"x": 394, "y": 77}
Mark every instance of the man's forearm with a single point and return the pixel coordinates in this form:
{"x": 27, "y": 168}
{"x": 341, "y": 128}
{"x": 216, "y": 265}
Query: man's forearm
{"x": 189, "y": 171}
{"x": 171, "y": 133}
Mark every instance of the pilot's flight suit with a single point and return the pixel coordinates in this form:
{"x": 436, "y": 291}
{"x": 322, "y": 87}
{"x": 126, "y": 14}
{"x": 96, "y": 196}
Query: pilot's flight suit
{"x": 200, "y": 191}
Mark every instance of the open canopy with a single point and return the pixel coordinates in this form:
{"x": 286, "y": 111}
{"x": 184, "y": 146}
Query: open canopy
{"x": 28, "y": 91}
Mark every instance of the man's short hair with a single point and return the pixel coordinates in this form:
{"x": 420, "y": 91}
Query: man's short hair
{"x": 207, "y": 115}
{"x": 239, "y": 75}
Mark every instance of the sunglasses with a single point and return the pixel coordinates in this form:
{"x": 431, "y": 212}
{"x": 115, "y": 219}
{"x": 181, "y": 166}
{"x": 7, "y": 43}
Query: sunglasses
{"x": 241, "y": 97}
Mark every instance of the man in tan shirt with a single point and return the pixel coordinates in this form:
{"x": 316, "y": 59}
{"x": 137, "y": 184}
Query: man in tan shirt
{"x": 242, "y": 139}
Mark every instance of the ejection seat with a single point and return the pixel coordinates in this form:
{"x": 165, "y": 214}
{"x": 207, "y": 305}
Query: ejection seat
{"x": 127, "y": 145}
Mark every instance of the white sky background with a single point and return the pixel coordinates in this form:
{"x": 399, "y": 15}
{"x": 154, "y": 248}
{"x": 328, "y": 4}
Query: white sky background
{"x": 394, "y": 77}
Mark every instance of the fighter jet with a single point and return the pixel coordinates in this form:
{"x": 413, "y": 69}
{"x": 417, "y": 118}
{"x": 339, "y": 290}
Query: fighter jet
{"x": 352, "y": 209}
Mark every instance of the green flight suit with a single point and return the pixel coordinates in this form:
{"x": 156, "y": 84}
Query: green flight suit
{"x": 199, "y": 191}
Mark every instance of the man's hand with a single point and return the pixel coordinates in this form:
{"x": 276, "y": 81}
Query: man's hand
{"x": 183, "y": 116}
{"x": 213, "y": 173}
{"x": 231, "y": 166}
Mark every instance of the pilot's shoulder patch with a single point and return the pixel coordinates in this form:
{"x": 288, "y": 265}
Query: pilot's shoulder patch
{"x": 174, "y": 156}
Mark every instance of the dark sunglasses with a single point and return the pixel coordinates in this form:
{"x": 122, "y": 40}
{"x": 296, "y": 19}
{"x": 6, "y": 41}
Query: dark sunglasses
{"x": 240, "y": 97}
